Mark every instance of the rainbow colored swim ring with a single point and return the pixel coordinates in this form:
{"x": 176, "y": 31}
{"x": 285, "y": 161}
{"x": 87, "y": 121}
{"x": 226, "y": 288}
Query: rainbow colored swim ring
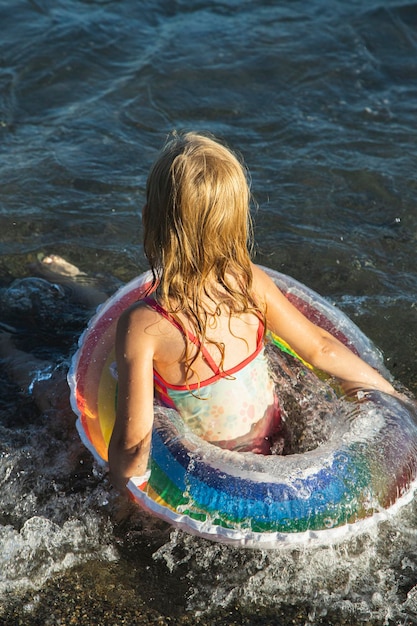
{"x": 366, "y": 469}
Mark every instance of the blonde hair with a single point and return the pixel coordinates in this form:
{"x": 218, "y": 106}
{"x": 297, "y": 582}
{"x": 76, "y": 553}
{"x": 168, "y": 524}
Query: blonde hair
{"x": 198, "y": 229}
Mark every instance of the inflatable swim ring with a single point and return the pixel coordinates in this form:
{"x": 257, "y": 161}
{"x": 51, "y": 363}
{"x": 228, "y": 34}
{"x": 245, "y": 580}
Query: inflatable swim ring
{"x": 368, "y": 465}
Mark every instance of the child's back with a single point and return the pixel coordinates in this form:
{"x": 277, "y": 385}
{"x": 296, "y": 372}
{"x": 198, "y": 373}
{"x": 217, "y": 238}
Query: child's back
{"x": 230, "y": 403}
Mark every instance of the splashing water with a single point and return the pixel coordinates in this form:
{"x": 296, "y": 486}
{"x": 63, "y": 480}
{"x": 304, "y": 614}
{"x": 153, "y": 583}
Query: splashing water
{"x": 50, "y": 505}
{"x": 368, "y": 577}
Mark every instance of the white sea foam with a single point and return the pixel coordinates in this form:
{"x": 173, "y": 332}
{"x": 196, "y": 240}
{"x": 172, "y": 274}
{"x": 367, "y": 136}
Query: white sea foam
{"x": 359, "y": 577}
{"x": 41, "y": 549}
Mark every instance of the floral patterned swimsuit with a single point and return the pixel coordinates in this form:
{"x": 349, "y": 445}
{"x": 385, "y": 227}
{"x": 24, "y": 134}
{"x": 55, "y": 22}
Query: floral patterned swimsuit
{"x": 235, "y": 409}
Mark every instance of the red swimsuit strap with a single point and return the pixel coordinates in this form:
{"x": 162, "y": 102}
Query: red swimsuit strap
{"x": 206, "y": 355}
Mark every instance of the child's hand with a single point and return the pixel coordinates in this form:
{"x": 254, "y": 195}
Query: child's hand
{"x": 119, "y": 482}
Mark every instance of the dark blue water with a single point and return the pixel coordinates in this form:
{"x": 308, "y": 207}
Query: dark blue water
{"x": 321, "y": 100}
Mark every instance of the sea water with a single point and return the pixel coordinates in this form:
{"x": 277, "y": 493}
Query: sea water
{"x": 320, "y": 99}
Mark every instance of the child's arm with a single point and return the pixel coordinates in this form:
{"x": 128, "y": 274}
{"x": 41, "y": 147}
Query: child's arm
{"x": 131, "y": 439}
{"x": 313, "y": 344}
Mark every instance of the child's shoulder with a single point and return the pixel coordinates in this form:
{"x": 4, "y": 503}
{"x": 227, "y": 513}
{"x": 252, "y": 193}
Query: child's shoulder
{"x": 264, "y": 288}
{"x": 138, "y": 332}
{"x": 137, "y": 316}
{"x": 261, "y": 282}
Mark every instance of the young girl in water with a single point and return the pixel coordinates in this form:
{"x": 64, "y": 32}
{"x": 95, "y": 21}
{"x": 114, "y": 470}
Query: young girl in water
{"x": 197, "y": 340}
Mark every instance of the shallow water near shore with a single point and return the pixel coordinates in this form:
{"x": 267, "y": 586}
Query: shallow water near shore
{"x": 320, "y": 100}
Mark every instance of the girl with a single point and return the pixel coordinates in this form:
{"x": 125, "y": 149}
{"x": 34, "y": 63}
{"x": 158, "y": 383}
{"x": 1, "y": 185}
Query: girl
{"x": 198, "y": 338}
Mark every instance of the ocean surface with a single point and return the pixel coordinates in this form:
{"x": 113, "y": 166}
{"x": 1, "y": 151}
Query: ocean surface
{"x": 320, "y": 98}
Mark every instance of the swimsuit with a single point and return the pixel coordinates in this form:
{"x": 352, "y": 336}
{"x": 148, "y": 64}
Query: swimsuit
{"x": 235, "y": 409}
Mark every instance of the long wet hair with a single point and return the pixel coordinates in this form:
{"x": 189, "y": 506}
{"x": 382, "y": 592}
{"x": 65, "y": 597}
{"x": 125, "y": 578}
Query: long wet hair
{"x": 198, "y": 232}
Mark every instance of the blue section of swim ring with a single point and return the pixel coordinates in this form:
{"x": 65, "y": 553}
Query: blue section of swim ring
{"x": 175, "y": 467}
{"x": 278, "y": 503}
{"x": 240, "y": 498}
